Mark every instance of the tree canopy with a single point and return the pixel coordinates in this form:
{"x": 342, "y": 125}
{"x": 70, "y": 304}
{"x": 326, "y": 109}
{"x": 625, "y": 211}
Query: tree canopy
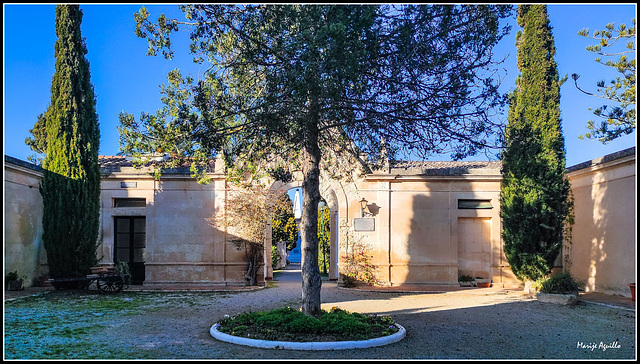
{"x": 619, "y": 119}
{"x": 297, "y": 87}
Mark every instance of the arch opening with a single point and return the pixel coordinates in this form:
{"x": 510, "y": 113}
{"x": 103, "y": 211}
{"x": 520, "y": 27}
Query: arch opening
{"x": 330, "y": 200}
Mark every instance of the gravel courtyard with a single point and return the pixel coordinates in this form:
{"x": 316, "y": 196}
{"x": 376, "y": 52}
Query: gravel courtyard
{"x": 175, "y": 325}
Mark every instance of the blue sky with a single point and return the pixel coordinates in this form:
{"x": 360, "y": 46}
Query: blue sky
{"x": 126, "y": 79}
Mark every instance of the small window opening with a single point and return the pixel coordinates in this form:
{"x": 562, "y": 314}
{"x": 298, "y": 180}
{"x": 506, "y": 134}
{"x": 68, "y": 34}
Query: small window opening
{"x": 129, "y": 202}
{"x": 474, "y": 204}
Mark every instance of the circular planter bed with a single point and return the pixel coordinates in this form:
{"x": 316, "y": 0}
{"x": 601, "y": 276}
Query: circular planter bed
{"x": 559, "y": 298}
{"x": 314, "y": 345}
{"x": 287, "y": 328}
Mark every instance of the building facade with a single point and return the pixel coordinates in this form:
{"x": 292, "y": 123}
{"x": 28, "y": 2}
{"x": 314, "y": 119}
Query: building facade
{"x": 423, "y": 223}
{"x": 603, "y": 249}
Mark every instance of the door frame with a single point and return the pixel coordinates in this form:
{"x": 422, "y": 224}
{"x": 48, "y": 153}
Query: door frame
{"x": 136, "y": 268}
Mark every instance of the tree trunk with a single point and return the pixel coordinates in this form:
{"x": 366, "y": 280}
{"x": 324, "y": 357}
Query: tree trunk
{"x": 254, "y": 257}
{"x": 311, "y": 281}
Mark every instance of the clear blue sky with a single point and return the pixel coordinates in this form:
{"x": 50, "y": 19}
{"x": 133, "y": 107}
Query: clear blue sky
{"x": 126, "y": 79}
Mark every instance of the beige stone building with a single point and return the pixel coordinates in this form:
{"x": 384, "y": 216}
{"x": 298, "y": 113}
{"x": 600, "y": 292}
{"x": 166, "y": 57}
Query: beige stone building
{"x": 425, "y": 223}
{"x": 23, "y": 250}
{"x": 603, "y": 252}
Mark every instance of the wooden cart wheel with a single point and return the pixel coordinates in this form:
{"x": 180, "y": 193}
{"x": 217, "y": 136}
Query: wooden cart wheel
{"x": 110, "y": 283}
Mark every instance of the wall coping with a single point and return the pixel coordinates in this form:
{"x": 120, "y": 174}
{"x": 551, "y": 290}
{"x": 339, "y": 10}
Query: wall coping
{"x": 8, "y": 160}
{"x": 622, "y": 156}
{"x": 122, "y": 167}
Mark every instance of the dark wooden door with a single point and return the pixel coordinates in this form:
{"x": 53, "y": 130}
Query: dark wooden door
{"x": 130, "y": 244}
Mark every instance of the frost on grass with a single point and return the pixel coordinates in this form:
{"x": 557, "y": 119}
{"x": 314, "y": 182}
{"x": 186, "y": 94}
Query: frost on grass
{"x": 69, "y": 325}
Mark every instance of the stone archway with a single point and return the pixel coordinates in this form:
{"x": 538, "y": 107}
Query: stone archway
{"x": 337, "y": 206}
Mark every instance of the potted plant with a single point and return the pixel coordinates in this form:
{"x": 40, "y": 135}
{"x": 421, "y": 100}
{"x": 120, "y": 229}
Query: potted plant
{"x": 14, "y": 282}
{"x": 466, "y": 281}
{"x": 483, "y": 283}
{"x": 561, "y": 288}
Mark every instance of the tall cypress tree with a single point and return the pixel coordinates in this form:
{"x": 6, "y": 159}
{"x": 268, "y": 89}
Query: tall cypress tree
{"x": 71, "y": 182}
{"x": 534, "y": 199}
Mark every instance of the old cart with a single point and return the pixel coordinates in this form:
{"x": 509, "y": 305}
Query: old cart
{"x": 107, "y": 280}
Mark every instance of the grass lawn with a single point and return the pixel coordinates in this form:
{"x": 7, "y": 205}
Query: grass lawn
{"x": 69, "y": 324}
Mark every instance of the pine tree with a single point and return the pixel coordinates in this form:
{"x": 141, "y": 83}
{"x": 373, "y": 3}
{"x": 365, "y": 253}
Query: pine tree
{"x": 618, "y": 119}
{"x": 71, "y": 182}
{"x": 321, "y": 86}
{"x": 534, "y": 199}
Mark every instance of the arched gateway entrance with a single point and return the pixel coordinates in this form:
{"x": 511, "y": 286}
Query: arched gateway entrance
{"x": 330, "y": 192}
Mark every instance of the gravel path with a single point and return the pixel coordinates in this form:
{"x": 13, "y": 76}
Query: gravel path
{"x": 454, "y": 325}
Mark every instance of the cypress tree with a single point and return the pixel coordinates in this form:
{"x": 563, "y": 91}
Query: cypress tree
{"x": 70, "y": 186}
{"x": 534, "y": 199}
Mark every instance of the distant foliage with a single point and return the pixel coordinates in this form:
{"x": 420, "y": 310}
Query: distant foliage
{"x": 283, "y": 226}
{"x": 324, "y": 240}
{"x": 275, "y": 256}
{"x": 534, "y": 198}
{"x": 38, "y": 143}
{"x": 70, "y": 186}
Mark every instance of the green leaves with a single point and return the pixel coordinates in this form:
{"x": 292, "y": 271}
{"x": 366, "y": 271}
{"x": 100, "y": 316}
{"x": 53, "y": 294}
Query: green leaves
{"x": 69, "y": 131}
{"x": 410, "y": 75}
{"x": 283, "y": 226}
{"x": 618, "y": 119}
{"x": 534, "y": 196}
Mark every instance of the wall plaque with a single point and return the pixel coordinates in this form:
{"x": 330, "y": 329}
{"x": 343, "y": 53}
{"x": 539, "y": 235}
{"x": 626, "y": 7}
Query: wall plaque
{"x": 128, "y": 184}
{"x": 364, "y": 224}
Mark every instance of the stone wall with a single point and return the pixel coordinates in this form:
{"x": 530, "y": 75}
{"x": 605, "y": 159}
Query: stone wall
{"x": 603, "y": 249}
{"x": 427, "y": 223}
{"x": 432, "y": 228}
{"x": 23, "y": 250}
{"x": 182, "y": 247}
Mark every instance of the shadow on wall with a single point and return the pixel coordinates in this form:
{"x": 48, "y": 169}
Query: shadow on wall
{"x": 433, "y": 244}
{"x": 602, "y": 253}
{"x": 420, "y": 251}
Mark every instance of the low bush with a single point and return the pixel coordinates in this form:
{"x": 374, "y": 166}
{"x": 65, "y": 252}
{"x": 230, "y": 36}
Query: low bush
{"x": 560, "y": 283}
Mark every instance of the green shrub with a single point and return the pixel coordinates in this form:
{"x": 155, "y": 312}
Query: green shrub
{"x": 560, "y": 283}
{"x": 348, "y": 281}
{"x": 293, "y": 325}
{"x": 275, "y": 256}
{"x": 535, "y": 201}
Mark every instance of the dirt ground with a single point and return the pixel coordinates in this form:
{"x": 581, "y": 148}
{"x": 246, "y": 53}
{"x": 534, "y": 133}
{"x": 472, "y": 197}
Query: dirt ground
{"x": 462, "y": 324}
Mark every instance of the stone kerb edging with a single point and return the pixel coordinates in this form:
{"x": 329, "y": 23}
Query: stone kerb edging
{"x": 315, "y": 345}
